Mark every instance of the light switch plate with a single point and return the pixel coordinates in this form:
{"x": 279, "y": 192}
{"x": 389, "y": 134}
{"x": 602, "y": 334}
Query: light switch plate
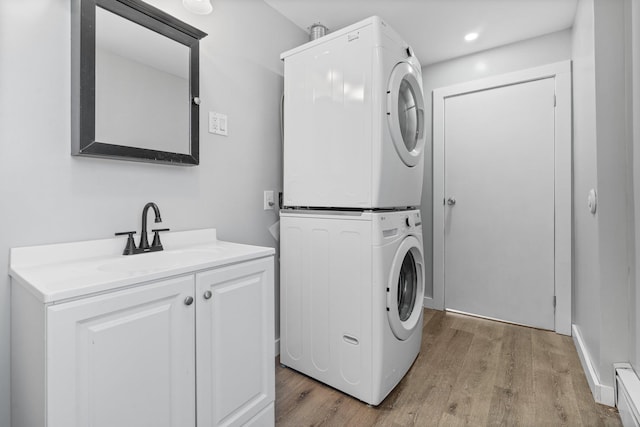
{"x": 218, "y": 123}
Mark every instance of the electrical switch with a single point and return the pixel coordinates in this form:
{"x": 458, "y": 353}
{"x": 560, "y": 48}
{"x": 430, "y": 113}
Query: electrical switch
{"x": 218, "y": 123}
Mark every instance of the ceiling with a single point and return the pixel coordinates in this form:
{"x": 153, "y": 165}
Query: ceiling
{"x": 435, "y": 29}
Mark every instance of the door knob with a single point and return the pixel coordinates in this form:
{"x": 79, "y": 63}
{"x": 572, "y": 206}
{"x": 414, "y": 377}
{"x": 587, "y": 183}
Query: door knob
{"x": 188, "y": 300}
{"x": 207, "y": 294}
{"x": 451, "y": 201}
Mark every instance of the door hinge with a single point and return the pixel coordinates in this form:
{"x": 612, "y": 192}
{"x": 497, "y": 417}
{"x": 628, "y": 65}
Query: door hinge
{"x": 555, "y": 101}
{"x": 554, "y": 302}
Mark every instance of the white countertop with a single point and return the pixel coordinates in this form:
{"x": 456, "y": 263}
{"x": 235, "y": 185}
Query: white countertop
{"x": 64, "y": 271}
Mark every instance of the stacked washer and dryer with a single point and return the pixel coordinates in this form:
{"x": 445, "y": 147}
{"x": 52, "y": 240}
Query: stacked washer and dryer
{"x": 352, "y": 263}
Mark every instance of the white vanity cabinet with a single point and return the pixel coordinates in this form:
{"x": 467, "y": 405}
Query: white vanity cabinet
{"x": 186, "y": 349}
{"x": 235, "y": 347}
{"x": 123, "y": 358}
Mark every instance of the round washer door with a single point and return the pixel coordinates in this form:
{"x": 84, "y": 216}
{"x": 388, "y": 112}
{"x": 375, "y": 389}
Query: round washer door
{"x": 405, "y": 113}
{"x": 406, "y": 288}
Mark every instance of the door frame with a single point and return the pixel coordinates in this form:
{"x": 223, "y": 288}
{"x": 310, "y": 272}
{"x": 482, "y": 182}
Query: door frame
{"x": 561, "y": 72}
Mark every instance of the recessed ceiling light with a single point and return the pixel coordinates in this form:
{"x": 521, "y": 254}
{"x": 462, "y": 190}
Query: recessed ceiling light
{"x": 471, "y": 37}
{"x": 199, "y": 7}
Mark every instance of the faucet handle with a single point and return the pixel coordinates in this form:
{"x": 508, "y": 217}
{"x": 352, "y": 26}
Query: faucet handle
{"x": 156, "y": 237}
{"x": 131, "y": 245}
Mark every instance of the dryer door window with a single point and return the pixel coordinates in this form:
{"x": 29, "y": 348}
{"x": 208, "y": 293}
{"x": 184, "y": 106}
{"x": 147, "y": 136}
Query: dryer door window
{"x": 405, "y": 113}
{"x": 408, "y": 115}
{"x": 405, "y": 289}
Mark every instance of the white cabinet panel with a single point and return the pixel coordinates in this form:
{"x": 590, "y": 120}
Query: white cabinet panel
{"x": 264, "y": 418}
{"x": 123, "y": 359}
{"x": 235, "y": 332}
{"x": 164, "y": 353}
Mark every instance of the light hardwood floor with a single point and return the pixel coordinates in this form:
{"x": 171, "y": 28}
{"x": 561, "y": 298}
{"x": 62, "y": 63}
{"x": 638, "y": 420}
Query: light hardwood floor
{"x": 470, "y": 371}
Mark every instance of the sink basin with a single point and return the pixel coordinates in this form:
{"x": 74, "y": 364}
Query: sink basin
{"x": 64, "y": 271}
{"x": 157, "y": 261}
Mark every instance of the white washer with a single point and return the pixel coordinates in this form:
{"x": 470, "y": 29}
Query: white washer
{"x": 353, "y": 120}
{"x": 351, "y": 295}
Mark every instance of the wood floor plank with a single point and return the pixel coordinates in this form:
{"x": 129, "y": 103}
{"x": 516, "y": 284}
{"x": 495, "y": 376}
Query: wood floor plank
{"x": 470, "y": 399}
{"x": 513, "y": 394}
{"x": 551, "y": 380}
{"x": 428, "y": 385}
{"x": 441, "y": 377}
{"x": 470, "y": 371}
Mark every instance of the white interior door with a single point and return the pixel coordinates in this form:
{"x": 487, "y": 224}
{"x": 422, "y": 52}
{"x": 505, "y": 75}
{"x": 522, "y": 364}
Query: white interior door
{"x": 499, "y": 212}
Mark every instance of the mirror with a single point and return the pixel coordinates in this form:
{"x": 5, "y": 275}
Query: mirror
{"x": 134, "y": 83}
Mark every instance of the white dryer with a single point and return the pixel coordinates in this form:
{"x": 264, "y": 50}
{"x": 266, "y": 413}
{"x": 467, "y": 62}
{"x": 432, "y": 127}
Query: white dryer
{"x": 351, "y": 294}
{"x": 353, "y": 120}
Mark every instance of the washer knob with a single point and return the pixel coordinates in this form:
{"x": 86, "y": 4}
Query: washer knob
{"x": 409, "y": 221}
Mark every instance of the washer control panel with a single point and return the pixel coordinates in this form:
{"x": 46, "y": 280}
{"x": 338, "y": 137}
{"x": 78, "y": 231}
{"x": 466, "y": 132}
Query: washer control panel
{"x": 392, "y": 224}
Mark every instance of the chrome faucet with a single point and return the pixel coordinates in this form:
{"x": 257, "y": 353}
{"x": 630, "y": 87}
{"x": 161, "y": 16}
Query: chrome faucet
{"x": 143, "y": 247}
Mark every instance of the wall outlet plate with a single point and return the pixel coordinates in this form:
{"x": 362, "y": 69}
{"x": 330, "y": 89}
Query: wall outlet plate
{"x": 269, "y": 201}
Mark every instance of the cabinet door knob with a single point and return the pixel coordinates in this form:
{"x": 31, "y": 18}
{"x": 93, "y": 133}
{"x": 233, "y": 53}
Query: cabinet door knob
{"x": 188, "y": 300}
{"x": 207, "y": 295}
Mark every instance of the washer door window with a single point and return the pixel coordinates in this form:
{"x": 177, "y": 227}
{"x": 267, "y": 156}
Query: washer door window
{"x": 406, "y": 288}
{"x": 405, "y": 113}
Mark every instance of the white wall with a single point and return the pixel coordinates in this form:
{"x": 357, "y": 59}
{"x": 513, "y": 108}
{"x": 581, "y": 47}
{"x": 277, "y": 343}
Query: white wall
{"x": 635, "y": 114}
{"x": 586, "y": 304}
{"x": 530, "y": 53}
{"x": 49, "y": 196}
{"x": 604, "y": 251}
{"x": 614, "y": 195}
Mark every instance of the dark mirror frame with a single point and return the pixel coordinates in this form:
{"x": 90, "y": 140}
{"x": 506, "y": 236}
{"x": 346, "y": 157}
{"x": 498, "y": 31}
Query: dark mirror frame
{"x": 83, "y": 42}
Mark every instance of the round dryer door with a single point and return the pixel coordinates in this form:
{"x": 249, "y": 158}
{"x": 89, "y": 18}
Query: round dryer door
{"x": 406, "y": 288}
{"x": 405, "y": 113}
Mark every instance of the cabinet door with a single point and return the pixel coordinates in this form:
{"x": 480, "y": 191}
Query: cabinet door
{"x": 123, "y": 359}
{"x": 235, "y": 336}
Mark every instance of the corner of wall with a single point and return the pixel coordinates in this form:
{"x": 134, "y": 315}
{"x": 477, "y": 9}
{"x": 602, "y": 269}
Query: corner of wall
{"x": 603, "y": 394}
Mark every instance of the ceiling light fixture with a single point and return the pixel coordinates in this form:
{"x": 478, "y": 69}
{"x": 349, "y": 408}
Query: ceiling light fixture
{"x": 471, "y": 37}
{"x": 199, "y": 7}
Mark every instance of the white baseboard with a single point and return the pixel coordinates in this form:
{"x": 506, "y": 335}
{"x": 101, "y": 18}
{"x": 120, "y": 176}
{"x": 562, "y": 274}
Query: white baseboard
{"x": 603, "y": 394}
